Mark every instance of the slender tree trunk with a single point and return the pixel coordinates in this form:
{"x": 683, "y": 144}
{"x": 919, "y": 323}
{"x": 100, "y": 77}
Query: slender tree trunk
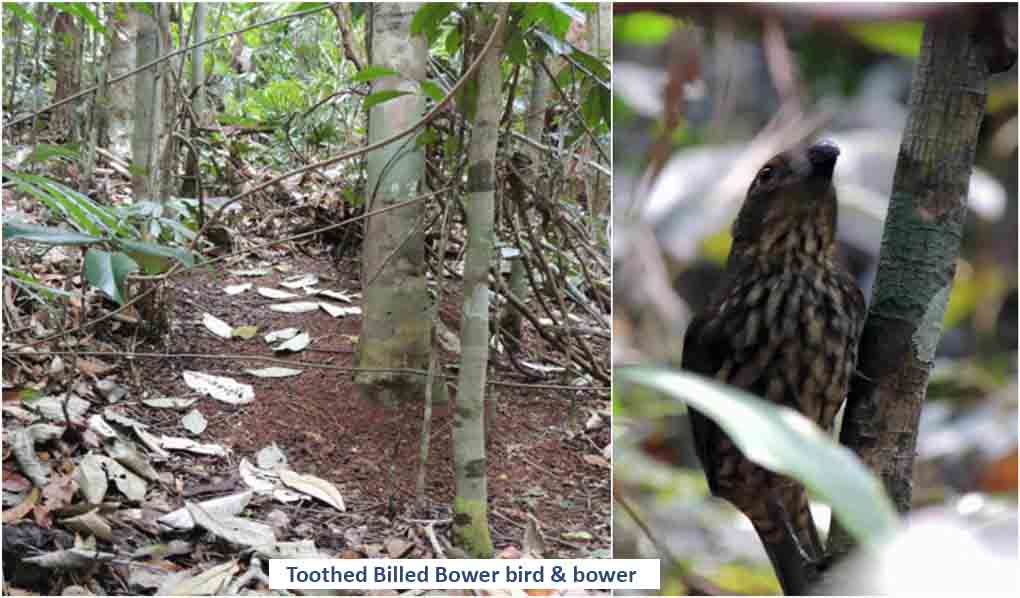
{"x": 66, "y": 56}
{"x": 198, "y": 61}
{"x": 920, "y": 246}
{"x": 145, "y": 136}
{"x": 119, "y": 111}
{"x": 396, "y": 325}
{"x": 534, "y": 129}
{"x": 16, "y": 27}
{"x": 470, "y": 522}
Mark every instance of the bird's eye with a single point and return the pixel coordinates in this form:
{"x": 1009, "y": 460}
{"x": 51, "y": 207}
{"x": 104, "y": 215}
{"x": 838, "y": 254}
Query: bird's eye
{"x": 766, "y": 174}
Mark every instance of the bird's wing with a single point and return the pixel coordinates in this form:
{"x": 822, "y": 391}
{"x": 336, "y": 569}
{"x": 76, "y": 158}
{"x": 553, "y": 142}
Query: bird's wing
{"x": 703, "y": 354}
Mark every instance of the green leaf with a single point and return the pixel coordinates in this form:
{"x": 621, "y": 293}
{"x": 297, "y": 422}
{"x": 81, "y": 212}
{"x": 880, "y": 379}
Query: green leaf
{"x": 382, "y": 96}
{"x": 45, "y": 151}
{"x": 426, "y": 21}
{"x": 570, "y": 11}
{"x": 81, "y": 9}
{"x": 182, "y": 255}
{"x": 515, "y": 47}
{"x": 902, "y": 38}
{"x": 453, "y": 39}
{"x": 108, "y": 272}
{"x": 556, "y": 45}
{"x": 548, "y": 16}
{"x": 784, "y": 441}
{"x": 643, "y": 28}
{"x": 46, "y": 235}
{"x": 432, "y": 90}
{"x": 373, "y": 72}
{"x": 21, "y": 12}
{"x": 78, "y": 209}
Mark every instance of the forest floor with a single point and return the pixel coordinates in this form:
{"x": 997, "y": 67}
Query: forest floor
{"x": 546, "y": 446}
{"x": 537, "y": 444}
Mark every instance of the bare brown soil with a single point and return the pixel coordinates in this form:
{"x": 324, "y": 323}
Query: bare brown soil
{"x": 537, "y": 444}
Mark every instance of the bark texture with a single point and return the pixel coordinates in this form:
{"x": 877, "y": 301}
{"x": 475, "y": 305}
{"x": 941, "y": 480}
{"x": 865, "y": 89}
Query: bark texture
{"x": 920, "y": 246}
{"x": 470, "y": 521}
{"x": 396, "y": 327}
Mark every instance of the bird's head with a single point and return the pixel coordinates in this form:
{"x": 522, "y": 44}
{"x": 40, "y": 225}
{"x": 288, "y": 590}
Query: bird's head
{"x": 790, "y": 206}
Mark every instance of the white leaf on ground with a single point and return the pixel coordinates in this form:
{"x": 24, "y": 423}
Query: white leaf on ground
{"x": 303, "y": 280}
{"x": 250, "y": 272}
{"x": 337, "y": 311}
{"x": 194, "y": 422}
{"x": 91, "y": 478}
{"x": 220, "y": 388}
{"x": 274, "y": 372}
{"x": 125, "y": 453}
{"x": 52, "y": 408}
{"x": 237, "y": 289}
{"x": 217, "y": 326}
{"x": 236, "y": 530}
{"x": 313, "y": 486}
{"x": 281, "y": 335}
{"x": 545, "y": 369}
{"x": 337, "y": 295}
{"x": 270, "y": 457}
{"x": 120, "y": 419}
{"x": 298, "y": 343}
{"x": 98, "y": 425}
{"x": 174, "y": 443}
{"x": 151, "y": 442}
{"x": 130, "y": 484}
{"x": 208, "y": 583}
{"x": 169, "y": 402}
{"x": 256, "y": 479}
{"x": 229, "y": 505}
{"x": 296, "y": 307}
{"x": 287, "y": 496}
{"x": 90, "y": 523}
{"x": 275, "y": 293}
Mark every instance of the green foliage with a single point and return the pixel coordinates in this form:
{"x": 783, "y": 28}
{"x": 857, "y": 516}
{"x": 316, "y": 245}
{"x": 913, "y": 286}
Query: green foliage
{"x": 108, "y": 272}
{"x": 428, "y": 18}
{"x": 643, "y": 28}
{"x": 902, "y": 38}
{"x": 784, "y": 441}
{"x": 117, "y": 229}
{"x": 373, "y": 72}
{"x": 380, "y": 97}
{"x": 21, "y": 12}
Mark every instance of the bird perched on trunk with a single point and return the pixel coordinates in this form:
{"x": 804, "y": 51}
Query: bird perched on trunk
{"x": 783, "y": 324}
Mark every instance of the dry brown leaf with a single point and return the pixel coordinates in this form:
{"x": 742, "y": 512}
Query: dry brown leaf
{"x": 17, "y": 512}
{"x": 93, "y": 367}
{"x": 597, "y": 461}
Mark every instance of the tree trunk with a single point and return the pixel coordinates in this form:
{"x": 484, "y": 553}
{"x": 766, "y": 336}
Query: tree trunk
{"x": 198, "y": 61}
{"x": 920, "y": 247}
{"x": 119, "y": 123}
{"x": 66, "y": 56}
{"x": 534, "y": 129}
{"x": 396, "y": 327}
{"x": 470, "y": 521}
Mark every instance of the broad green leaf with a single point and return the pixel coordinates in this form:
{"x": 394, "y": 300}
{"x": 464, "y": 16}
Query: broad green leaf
{"x": 426, "y": 21}
{"x": 547, "y": 16}
{"x": 570, "y": 11}
{"x": 80, "y": 211}
{"x": 180, "y": 254}
{"x": 380, "y": 97}
{"x": 784, "y": 441}
{"x": 902, "y": 38}
{"x": 432, "y": 90}
{"x": 643, "y": 28}
{"x": 373, "y": 72}
{"x": 47, "y": 235}
{"x": 556, "y": 45}
{"x": 453, "y": 39}
{"x": 515, "y": 48}
{"x": 108, "y": 272}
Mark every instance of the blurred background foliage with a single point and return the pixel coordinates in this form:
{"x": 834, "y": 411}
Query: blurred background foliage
{"x": 696, "y": 98}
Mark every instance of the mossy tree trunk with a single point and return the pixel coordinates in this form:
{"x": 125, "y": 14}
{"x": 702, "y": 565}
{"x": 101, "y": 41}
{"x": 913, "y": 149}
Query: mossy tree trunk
{"x": 920, "y": 246}
{"x": 396, "y": 326}
{"x": 471, "y": 519}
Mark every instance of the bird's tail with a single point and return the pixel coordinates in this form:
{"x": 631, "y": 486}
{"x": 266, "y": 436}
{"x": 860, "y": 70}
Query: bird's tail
{"x": 791, "y": 541}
